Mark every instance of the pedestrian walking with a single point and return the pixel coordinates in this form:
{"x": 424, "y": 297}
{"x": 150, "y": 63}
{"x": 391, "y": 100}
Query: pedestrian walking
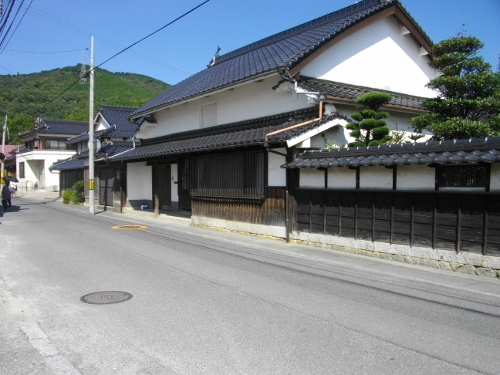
{"x": 6, "y": 197}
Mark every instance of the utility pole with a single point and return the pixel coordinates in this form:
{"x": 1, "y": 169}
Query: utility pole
{"x": 4, "y": 129}
{"x": 91, "y": 130}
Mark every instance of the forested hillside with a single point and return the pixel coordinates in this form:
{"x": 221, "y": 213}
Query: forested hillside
{"x": 57, "y": 94}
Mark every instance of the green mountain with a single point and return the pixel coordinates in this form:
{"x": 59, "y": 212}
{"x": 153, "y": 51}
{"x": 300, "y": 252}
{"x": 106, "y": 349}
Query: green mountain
{"x": 58, "y": 94}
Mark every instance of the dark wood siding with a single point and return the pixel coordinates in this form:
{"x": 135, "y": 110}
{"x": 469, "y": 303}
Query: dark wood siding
{"x": 267, "y": 211}
{"x": 446, "y": 220}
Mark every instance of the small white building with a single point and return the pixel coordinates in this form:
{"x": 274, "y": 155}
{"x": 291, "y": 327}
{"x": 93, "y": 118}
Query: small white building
{"x": 44, "y": 145}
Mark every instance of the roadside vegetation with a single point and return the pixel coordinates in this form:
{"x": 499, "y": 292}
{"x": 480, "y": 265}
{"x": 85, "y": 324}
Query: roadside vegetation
{"x": 468, "y": 93}
{"x": 24, "y": 97}
{"x": 76, "y": 195}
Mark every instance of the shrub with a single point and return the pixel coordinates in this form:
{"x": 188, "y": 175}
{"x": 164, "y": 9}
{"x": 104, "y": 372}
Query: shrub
{"x": 78, "y": 193}
{"x": 68, "y": 196}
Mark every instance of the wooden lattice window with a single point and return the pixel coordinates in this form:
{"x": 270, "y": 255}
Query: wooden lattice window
{"x": 462, "y": 176}
{"x": 231, "y": 175}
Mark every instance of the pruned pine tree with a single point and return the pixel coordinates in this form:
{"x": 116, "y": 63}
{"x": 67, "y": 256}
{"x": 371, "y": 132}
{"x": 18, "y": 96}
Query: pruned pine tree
{"x": 369, "y": 128}
{"x": 468, "y": 101}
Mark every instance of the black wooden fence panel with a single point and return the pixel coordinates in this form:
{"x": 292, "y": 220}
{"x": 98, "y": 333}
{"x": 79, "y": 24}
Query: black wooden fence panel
{"x": 446, "y": 220}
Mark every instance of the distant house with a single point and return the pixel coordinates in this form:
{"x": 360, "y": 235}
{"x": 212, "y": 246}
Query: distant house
{"x": 44, "y": 145}
{"x": 113, "y": 134}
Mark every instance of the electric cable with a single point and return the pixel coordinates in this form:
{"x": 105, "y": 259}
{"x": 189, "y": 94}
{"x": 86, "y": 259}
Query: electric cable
{"x": 99, "y": 39}
{"x": 154, "y": 32}
{"x": 123, "y": 50}
{"x": 8, "y": 29}
{"x": 21, "y": 20}
{"x": 40, "y": 52}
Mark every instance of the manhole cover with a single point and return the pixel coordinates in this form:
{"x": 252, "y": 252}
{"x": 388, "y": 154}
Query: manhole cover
{"x": 105, "y": 298}
{"x": 129, "y": 227}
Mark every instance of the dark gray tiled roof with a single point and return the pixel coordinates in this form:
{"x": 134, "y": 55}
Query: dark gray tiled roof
{"x": 71, "y": 163}
{"x": 242, "y": 134}
{"x": 118, "y": 116}
{"x": 265, "y": 57}
{"x": 484, "y": 150}
{"x": 57, "y": 127}
{"x": 82, "y": 137}
{"x": 114, "y": 148}
{"x": 346, "y": 91}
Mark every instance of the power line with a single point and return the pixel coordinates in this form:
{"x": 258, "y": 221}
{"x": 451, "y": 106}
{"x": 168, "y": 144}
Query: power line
{"x": 79, "y": 31}
{"x": 21, "y": 20}
{"x": 10, "y": 25}
{"x": 40, "y": 52}
{"x": 154, "y": 32}
{"x": 123, "y": 50}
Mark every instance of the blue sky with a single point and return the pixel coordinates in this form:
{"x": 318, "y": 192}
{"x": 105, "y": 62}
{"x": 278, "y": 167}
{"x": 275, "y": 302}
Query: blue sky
{"x": 55, "y": 33}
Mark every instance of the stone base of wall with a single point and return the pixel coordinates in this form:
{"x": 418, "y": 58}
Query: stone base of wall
{"x": 463, "y": 262}
{"x": 468, "y": 263}
{"x": 240, "y": 227}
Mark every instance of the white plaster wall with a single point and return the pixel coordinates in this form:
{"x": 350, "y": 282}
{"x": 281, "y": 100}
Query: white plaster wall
{"x": 341, "y": 178}
{"x": 375, "y": 178}
{"x": 174, "y": 190}
{"x": 377, "y": 56}
{"x": 249, "y": 101}
{"x": 139, "y": 181}
{"x": 29, "y": 172}
{"x": 101, "y": 124}
{"x": 338, "y": 134}
{"x": 411, "y": 177}
{"x": 495, "y": 177}
{"x": 310, "y": 177}
{"x": 276, "y": 175}
{"x": 34, "y": 172}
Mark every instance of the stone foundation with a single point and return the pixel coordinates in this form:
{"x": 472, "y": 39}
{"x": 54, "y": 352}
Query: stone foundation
{"x": 463, "y": 262}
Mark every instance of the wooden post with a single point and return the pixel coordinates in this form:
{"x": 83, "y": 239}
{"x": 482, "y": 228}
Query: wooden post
{"x": 459, "y": 225}
{"x": 485, "y": 228}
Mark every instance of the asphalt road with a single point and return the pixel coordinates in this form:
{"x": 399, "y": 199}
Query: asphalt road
{"x": 213, "y": 302}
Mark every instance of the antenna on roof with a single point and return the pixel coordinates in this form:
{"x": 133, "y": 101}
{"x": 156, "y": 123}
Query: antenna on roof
{"x": 83, "y": 71}
{"x": 212, "y": 62}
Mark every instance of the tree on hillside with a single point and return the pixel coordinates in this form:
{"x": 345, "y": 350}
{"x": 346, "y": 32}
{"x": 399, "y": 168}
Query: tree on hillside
{"x": 18, "y": 124}
{"x": 53, "y": 94}
{"x": 370, "y": 129}
{"x": 468, "y": 102}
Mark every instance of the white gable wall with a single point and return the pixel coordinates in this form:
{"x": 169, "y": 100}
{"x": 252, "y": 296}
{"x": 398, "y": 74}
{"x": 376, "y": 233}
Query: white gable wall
{"x": 377, "y": 56}
{"x": 101, "y": 124}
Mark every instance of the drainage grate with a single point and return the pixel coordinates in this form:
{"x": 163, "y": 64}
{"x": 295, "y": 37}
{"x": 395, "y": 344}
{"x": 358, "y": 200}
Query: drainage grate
{"x": 105, "y": 298}
{"x": 129, "y": 227}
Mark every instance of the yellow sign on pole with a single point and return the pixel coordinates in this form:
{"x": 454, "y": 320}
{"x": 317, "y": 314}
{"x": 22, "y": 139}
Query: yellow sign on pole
{"x": 91, "y": 184}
